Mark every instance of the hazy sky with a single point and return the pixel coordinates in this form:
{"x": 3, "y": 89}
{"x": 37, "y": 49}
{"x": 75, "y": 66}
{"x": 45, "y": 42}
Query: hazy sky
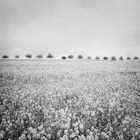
{"x": 62, "y": 27}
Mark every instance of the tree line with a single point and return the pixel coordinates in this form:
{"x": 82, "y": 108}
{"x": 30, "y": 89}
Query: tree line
{"x": 80, "y": 56}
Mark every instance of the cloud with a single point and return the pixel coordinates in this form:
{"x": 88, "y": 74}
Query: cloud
{"x": 70, "y": 26}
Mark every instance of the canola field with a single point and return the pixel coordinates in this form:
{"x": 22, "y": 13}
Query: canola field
{"x": 69, "y": 100}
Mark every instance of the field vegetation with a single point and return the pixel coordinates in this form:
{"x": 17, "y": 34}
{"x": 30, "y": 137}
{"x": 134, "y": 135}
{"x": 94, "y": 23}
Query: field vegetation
{"x": 69, "y": 100}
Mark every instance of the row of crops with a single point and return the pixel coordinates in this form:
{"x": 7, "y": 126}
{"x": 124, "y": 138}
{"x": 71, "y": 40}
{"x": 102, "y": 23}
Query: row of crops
{"x": 40, "y": 104}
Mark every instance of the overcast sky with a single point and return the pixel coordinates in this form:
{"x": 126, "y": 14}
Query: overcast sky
{"x": 62, "y": 27}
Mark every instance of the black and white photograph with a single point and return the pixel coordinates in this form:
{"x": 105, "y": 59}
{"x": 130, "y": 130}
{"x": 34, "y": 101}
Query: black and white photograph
{"x": 69, "y": 69}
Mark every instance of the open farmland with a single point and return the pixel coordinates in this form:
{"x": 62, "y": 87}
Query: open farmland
{"x": 76, "y": 99}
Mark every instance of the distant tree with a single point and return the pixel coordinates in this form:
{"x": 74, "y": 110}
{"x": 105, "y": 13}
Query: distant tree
{"x": 135, "y": 58}
{"x": 89, "y": 57}
{"x": 49, "y": 55}
{"x": 17, "y": 56}
{"x": 97, "y": 58}
{"x": 63, "y": 57}
{"x": 120, "y": 58}
{"x": 80, "y": 56}
{"x": 105, "y": 58}
{"x": 128, "y": 58}
{"x": 39, "y": 56}
{"x": 28, "y": 56}
{"x": 70, "y": 56}
{"x": 5, "y": 56}
{"x": 113, "y": 58}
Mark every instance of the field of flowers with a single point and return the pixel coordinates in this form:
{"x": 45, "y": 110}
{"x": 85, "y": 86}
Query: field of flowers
{"x": 69, "y": 100}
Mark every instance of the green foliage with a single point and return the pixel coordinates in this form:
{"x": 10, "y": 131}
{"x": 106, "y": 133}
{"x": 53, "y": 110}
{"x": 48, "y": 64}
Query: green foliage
{"x": 105, "y": 58}
{"x": 49, "y": 55}
{"x": 63, "y": 57}
{"x": 136, "y": 58}
{"x": 128, "y": 58}
{"x": 70, "y": 56}
{"x": 5, "y": 56}
{"x": 80, "y": 56}
{"x": 28, "y": 56}
{"x": 17, "y": 56}
{"x": 39, "y": 56}
{"x": 113, "y": 58}
{"x": 97, "y": 58}
{"x": 121, "y": 58}
{"x": 89, "y": 57}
